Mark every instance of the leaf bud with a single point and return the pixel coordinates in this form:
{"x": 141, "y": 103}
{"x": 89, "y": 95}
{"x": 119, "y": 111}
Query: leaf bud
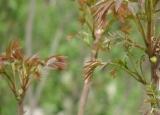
{"x": 153, "y": 59}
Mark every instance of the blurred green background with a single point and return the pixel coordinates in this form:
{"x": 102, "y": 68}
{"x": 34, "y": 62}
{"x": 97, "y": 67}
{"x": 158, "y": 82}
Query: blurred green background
{"x": 42, "y": 26}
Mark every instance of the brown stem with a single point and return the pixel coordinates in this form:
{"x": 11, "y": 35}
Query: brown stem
{"x": 84, "y": 97}
{"x": 150, "y": 34}
{"x": 20, "y": 105}
{"x": 88, "y": 81}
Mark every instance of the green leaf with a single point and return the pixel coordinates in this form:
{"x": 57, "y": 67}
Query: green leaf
{"x": 112, "y": 34}
{"x": 143, "y": 59}
{"x": 133, "y": 7}
{"x": 120, "y": 34}
{"x": 149, "y": 100}
{"x": 108, "y": 40}
{"x": 86, "y": 40}
{"x": 115, "y": 38}
{"x": 144, "y": 108}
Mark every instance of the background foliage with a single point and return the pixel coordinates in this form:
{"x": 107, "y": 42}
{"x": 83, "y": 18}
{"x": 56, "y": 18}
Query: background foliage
{"x": 53, "y": 21}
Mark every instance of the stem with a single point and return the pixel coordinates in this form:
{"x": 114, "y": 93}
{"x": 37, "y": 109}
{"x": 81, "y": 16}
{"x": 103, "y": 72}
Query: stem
{"x": 144, "y": 79}
{"x": 11, "y": 87}
{"x": 88, "y": 81}
{"x": 87, "y": 22}
{"x": 150, "y": 34}
{"x": 157, "y": 11}
{"x": 150, "y": 26}
{"x": 135, "y": 68}
{"x": 130, "y": 72}
{"x": 14, "y": 76}
{"x": 20, "y": 105}
{"x": 29, "y": 82}
{"x": 136, "y": 45}
{"x": 84, "y": 97}
{"x": 140, "y": 28}
{"x": 8, "y": 77}
{"x": 20, "y": 79}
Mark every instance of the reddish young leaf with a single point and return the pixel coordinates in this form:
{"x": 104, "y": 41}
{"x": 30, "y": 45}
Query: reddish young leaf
{"x": 88, "y": 73}
{"x": 27, "y": 70}
{"x": 102, "y": 11}
{"x": 70, "y": 36}
{"x": 13, "y": 51}
{"x": 32, "y": 61}
{"x": 2, "y": 59}
{"x": 142, "y": 3}
{"x": 101, "y": 2}
{"x": 13, "y": 45}
{"x": 58, "y": 62}
{"x": 82, "y": 2}
{"x": 126, "y": 28}
{"x": 118, "y": 4}
{"x": 38, "y": 74}
{"x": 89, "y": 68}
{"x": 113, "y": 72}
{"x": 17, "y": 54}
{"x": 81, "y": 20}
{"x": 123, "y": 12}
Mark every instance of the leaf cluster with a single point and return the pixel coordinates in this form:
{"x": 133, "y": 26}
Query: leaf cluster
{"x": 20, "y": 72}
{"x": 100, "y": 15}
{"x": 153, "y": 99}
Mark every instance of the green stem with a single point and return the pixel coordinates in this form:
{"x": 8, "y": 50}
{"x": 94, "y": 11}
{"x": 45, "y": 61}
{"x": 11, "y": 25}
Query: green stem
{"x": 141, "y": 29}
{"x": 150, "y": 34}
{"x": 8, "y": 77}
{"x": 136, "y": 72}
{"x": 144, "y": 79}
{"x": 30, "y": 81}
{"x": 19, "y": 75}
{"x": 8, "y": 83}
{"x": 127, "y": 70}
{"x": 136, "y": 45}
{"x": 81, "y": 38}
{"x": 134, "y": 67}
{"x": 14, "y": 76}
{"x": 150, "y": 26}
{"x": 87, "y": 22}
{"x": 131, "y": 73}
{"x": 132, "y": 76}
